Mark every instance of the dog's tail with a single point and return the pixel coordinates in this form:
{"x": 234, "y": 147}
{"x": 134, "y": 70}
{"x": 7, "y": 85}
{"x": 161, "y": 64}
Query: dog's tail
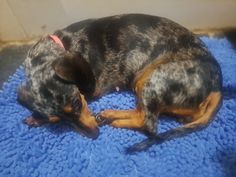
{"x": 212, "y": 104}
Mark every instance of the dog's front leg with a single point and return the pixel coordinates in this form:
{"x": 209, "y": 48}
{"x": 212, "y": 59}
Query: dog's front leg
{"x": 132, "y": 119}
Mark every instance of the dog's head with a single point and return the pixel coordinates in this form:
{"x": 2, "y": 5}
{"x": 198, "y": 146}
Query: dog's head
{"x": 54, "y": 77}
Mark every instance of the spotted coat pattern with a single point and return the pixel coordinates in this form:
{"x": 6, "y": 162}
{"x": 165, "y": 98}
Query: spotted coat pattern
{"x": 116, "y": 48}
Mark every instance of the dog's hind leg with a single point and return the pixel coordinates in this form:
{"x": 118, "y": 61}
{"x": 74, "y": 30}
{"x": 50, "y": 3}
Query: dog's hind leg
{"x": 200, "y": 119}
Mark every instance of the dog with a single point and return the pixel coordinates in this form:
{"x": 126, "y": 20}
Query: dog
{"x": 167, "y": 67}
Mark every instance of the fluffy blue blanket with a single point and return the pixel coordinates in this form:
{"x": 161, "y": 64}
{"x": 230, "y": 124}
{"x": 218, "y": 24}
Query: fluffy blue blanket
{"x": 58, "y": 151}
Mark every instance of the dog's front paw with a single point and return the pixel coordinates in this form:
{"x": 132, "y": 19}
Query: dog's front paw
{"x": 101, "y": 120}
{"x": 32, "y": 122}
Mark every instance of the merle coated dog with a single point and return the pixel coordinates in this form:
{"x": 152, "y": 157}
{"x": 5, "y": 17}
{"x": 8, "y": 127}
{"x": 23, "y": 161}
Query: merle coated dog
{"x": 168, "y": 68}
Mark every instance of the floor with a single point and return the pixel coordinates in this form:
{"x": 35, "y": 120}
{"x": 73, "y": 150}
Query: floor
{"x": 12, "y": 56}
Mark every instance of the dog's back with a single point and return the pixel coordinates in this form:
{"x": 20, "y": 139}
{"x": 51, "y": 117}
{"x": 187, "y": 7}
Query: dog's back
{"x": 118, "y": 47}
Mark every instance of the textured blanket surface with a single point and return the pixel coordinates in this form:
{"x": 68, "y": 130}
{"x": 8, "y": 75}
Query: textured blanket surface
{"x": 58, "y": 151}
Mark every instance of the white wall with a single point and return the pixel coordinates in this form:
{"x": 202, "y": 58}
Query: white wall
{"x": 23, "y": 19}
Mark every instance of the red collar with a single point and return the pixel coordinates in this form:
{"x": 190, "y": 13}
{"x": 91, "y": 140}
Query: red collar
{"x": 57, "y": 40}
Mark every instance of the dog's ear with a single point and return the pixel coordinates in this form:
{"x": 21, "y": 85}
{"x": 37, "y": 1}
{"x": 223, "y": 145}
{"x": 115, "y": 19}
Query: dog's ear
{"x": 73, "y": 68}
{"x": 66, "y": 67}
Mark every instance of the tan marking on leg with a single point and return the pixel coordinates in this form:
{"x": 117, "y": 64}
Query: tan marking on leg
{"x": 182, "y": 115}
{"x": 195, "y": 113}
{"x": 202, "y": 118}
{"x": 146, "y": 72}
{"x": 128, "y": 123}
{"x": 207, "y": 110}
{"x": 181, "y": 112}
{"x": 133, "y": 119}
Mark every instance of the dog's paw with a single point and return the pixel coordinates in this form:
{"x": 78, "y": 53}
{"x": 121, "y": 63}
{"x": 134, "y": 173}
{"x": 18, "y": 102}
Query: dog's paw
{"x": 101, "y": 120}
{"x": 32, "y": 122}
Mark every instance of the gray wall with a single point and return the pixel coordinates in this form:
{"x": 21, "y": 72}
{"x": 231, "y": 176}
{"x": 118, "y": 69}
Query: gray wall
{"x": 24, "y": 19}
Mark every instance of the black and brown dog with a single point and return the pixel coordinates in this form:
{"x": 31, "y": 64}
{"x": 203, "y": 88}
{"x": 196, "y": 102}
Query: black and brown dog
{"x": 168, "y": 68}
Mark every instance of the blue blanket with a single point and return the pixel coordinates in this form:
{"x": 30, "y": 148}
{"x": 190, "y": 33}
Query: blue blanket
{"x": 58, "y": 151}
